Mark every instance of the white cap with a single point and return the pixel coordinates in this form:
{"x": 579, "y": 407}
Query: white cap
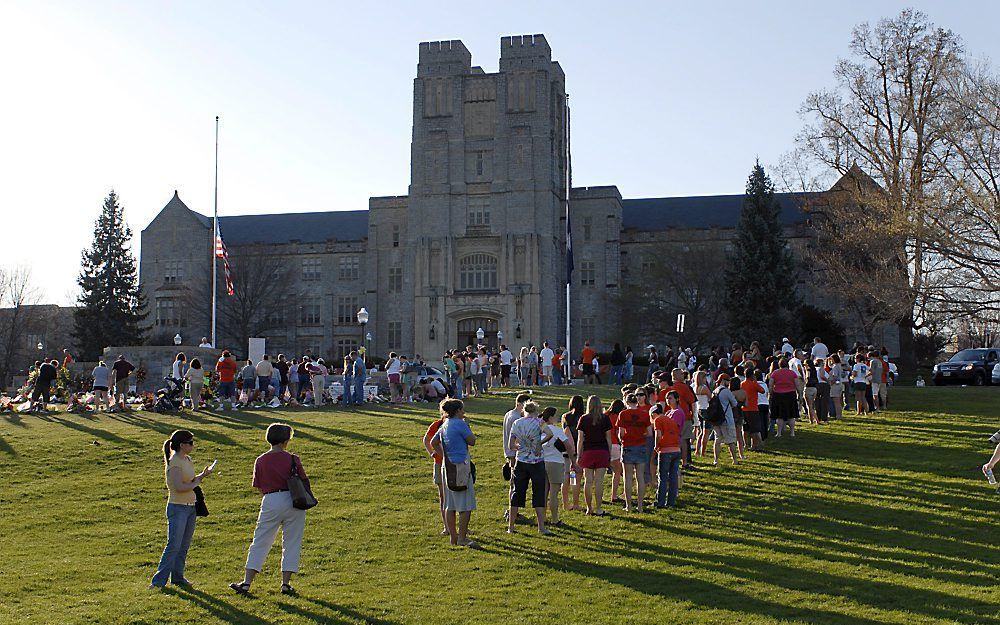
{"x": 784, "y": 340}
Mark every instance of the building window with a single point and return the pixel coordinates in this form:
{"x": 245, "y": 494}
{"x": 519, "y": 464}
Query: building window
{"x": 587, "y": 329}
{"x": 311, "y": 268}
{"x": 346, "y": 309}
{"x": 276, "y": 317}
{"x": 587, "y": 222}
{"x": 309, "y": 312}
{"x": 587, "y": 273}
{"x": 647, "y": 266}
{"x": 168, "y": 313}
{"x": 480, "y": 163}
{"x": 395, "y": 236}
{"x": 343, "y": 349}
{"x": 395, "y": 335}
{"x": 479, "y": 211}
{"x": 34, "y": 340}
{"x": 478, "y": 272}
{"x": 395, "y": 279}
{"x": 173, "y": 271}
{"x": 349, "y": 267}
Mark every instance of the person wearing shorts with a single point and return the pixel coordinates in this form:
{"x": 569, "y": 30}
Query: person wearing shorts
{"x": 226, "y": 368}
{"x": 436, "y": 456}
{"x": 725, "y": 432}
{"x": 122, "y": 370}
{"x": 527, "y": 436}
{"x": 594, "y": 443}
{"x": 633, "y": 430}
{"x": 102, "y": 380}
{"x": 555, "y": 461}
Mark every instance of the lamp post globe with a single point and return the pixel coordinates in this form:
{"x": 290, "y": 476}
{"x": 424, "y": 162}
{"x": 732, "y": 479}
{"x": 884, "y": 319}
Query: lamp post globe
{"x": 177, "y": 339}
{"x": 363, "y": 320}
{"x": 499, "y": 337}
{"x": 40, "y": 346}
{"x": 480, "y": 335}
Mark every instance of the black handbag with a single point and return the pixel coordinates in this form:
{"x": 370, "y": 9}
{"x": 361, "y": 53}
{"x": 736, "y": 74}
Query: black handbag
{"x": 302, "y": 497}
{"x": 200, "y": 507}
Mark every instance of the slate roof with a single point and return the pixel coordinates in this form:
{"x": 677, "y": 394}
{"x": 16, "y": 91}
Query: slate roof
{"x": 705, "y": 211}
{"x": 284, "y": 227}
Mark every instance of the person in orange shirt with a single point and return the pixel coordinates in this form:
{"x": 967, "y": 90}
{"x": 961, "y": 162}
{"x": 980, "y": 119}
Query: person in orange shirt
{"x": 226, "y": 368}
{"x": 633, "y": 429}
{"x": 752, "y": 425}
{"x": 587, "y": 360}
{"x": 617, "y": 470}
{"x": 438, "y": 458}
{"x": 686, "y": 402}
{"x": 667, "y": 428}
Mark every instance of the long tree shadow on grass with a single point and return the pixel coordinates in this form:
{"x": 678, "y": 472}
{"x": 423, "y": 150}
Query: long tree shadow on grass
{"x": 294, "y": 606}
{"x": 111, "y": 437}
{"x": 6, "y": 448}
{"x": 878, "y": 594}
{"x": 678, "y": 587}
{"x": 15, "y": 419}
{"x": 139, "y": 421}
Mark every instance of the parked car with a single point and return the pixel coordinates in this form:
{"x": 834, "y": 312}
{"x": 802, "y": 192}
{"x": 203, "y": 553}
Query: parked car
{"x": 969, "y": 366}
{"x": 996, "y": 373}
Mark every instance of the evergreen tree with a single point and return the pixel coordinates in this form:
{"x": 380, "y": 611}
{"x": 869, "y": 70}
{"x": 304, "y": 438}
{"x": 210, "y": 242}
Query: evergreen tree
{"x": 760, "y": 278}
{"x": 111, "y": 305}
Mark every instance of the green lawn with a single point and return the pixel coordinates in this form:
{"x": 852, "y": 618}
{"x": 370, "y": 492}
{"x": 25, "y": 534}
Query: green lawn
{"x": 882, "y": 519}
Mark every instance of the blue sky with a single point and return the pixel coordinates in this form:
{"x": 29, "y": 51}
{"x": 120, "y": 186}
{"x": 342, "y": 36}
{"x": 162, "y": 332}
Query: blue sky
{"x": 668, "y": 98}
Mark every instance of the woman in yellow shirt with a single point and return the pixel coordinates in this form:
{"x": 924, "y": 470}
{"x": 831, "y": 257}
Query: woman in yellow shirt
{"x": 181, "y": 482}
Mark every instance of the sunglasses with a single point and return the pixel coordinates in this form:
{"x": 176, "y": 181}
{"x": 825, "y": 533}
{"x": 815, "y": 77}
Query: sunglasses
{"x": 190, "y": 442}
{"x": 640, "y": 394}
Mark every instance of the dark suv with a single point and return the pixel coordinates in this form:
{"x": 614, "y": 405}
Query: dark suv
{"x": 969, "y": 366}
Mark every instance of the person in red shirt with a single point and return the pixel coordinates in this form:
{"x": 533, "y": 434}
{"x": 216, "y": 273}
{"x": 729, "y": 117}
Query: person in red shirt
{"x": 752, "y": 425}
{"x": 226, "y": 368}
{"x": 633, "y": 428}
{"x": 587, "y": 360}
{"x": 617, "y": 470}
{"x": 271, "y": 472}
{"x": 667, "y": 426}
{"x": 557, "y": 364}
{"x": 883, "y": 390}
{"x": 438, "y": 459}
{"x": 67, "y": 358}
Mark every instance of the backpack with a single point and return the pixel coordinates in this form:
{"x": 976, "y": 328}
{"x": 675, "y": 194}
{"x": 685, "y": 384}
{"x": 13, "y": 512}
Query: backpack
{"x": 716, "y": 414}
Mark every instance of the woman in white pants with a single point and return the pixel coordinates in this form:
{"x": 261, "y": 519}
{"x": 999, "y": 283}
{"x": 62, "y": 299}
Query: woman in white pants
{"x": 270, "y": 476}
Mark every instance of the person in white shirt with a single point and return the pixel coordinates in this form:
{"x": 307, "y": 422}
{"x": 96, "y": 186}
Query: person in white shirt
{"x": 177, "y": 368}
{"x": 508, "y": 422}
{"x": 546, "y": 360}
{"x": 786, "y": 347}
{"x": 795, "y": 364}
{"x": 819, "y": 349}
{"x": 204, "y": 342}
{"x": 555, "y": 461}
{"x": 506, "y": 359}
{"x": 859, "y": 374}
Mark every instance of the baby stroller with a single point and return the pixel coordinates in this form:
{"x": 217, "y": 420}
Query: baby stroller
{"x": 168, "y": 398}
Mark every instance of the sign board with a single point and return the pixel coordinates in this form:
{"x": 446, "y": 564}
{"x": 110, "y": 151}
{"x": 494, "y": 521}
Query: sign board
{"x": 255, "y": 350}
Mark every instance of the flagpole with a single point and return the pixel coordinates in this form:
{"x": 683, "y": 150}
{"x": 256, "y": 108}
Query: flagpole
{"x": 215, "y": 232}
{"x": 569, "y": 249}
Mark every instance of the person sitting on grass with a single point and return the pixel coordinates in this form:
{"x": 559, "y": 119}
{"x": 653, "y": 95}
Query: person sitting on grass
{"x": 453, "y": 441}
{"x": 271, "y": 471}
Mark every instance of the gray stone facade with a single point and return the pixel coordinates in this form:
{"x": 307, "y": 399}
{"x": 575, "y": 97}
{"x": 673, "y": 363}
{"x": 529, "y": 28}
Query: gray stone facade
{"x": 479, "y": 241}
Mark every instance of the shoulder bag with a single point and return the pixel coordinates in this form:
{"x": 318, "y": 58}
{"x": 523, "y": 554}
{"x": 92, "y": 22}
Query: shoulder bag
{"x": 457, "y": 476}
{"x": 302, "y": 497}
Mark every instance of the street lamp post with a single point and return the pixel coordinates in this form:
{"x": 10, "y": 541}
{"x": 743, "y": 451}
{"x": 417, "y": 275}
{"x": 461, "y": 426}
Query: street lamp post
{"x": 499, "y": 339}
{"x": 178, "y": 339}
{"x": 363, "y": 320}
{"x": 480, "y": 335}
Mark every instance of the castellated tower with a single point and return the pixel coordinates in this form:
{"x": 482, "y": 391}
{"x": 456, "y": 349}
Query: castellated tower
{"x": 483, "y": 236}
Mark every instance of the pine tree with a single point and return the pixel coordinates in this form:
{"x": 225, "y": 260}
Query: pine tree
{"x": 760, "y": 278}
{"x": 111, "y": 305}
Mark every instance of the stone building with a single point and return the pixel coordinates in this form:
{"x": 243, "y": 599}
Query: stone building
{"x": 478, "y": 242}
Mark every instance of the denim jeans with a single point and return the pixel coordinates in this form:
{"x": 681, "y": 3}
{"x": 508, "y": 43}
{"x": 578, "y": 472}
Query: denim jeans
{"x": 348, "y": 391}
{"x": 359, "y": 392}
{"x": 180, "y": 531}
{"x": 557, "y": 376}
{"x": 482, "y": 381}
{"x": 459, "y": 387}
{"x": 616, "y": 375}
{"x": 670, "y": 464}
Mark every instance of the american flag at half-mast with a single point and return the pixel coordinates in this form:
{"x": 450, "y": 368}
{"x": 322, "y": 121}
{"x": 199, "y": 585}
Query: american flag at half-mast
{"x": 220, "y": 252}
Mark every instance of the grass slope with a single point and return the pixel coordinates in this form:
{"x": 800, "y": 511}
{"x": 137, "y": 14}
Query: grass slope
{"x": 881, "y": 519}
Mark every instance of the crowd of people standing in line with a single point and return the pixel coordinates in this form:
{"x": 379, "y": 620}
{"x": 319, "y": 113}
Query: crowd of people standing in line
{"x": 651, "y": 437}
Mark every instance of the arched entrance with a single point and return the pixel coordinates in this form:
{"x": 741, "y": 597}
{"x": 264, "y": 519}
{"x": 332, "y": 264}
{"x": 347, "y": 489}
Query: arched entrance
{"x": 467, "y": 331}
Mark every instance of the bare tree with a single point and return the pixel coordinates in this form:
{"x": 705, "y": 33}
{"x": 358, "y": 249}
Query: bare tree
{"x": 672, "y": 284}
{"x": 262, "y": 291}
{"x": 885, "y": 119}
{"x": 17, "y": 293}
